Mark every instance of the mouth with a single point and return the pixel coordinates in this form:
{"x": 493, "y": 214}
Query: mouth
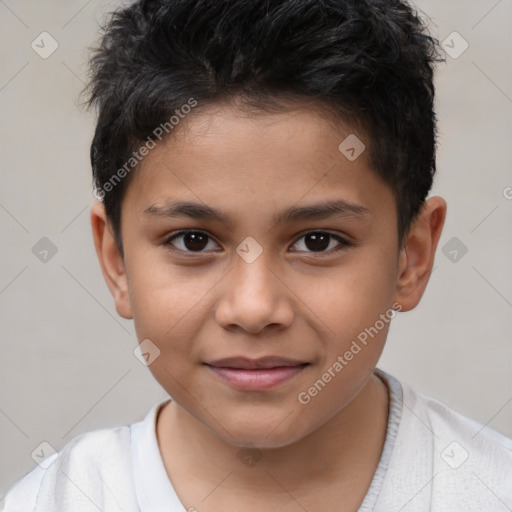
{"x": 256, "y": 374}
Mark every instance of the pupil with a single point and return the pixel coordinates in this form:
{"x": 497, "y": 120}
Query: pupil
{"x": 317, "y": 241}
{"x": 195, "y": 241}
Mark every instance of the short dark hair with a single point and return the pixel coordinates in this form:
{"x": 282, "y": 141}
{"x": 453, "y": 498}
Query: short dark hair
{"x": 369, "y": 61}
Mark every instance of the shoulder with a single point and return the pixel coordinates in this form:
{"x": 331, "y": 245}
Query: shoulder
{"x": 91, "y": 470}
{"x": 443, "y": 422}
{"x": 471, "y": 462}
{"x": 442, "y": 460}
{"x": 22, "y": 494}
{"x": 449, "y": 421}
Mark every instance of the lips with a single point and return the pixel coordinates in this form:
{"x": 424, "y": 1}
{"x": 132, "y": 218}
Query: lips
{"x": 243, "y": 363}
{"x": 256, "y": 374}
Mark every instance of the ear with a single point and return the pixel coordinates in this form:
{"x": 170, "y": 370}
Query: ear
{"x": 111, "y": 261}
{"x": 418, "y": 251}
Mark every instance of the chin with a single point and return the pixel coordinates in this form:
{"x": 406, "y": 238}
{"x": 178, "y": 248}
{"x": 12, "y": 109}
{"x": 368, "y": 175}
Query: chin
{"x": 262, "y": 435}
{"x": 262, "y": 442}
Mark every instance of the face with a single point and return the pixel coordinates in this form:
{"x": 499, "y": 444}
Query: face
{"x": 231, "y": 251}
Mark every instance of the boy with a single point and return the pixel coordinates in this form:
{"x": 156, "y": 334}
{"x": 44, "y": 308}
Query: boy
{"x": 263, "y": 169}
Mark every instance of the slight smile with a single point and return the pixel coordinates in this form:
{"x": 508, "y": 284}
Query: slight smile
{"x": 256, "y": 374}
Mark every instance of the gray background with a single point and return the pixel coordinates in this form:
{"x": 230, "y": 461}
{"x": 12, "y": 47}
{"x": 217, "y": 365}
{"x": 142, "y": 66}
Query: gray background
{"x": 67, "y": 365}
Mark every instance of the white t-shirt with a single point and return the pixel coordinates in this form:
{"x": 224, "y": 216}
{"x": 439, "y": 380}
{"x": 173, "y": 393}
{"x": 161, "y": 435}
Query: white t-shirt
{"x": 433, "y": 459}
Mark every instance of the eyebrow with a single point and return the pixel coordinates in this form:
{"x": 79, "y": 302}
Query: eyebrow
{"x": 317, "y": 211}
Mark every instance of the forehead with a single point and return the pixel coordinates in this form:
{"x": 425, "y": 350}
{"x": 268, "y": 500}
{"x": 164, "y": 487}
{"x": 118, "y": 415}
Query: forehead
{"x": 230, "y": 158}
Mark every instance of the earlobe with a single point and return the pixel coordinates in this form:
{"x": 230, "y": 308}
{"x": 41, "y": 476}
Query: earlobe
{"x": 111, "y": 261}
{"x": 417, "y": 256}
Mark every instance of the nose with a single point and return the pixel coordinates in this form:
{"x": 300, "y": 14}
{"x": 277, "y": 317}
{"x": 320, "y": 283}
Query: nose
{"x": 254, "y": 297}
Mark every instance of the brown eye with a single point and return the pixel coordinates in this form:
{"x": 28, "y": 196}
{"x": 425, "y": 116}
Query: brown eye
{"x": 190, "y": 241}
{"x": 320, "y": 241}
{"x": 317, "y": 241}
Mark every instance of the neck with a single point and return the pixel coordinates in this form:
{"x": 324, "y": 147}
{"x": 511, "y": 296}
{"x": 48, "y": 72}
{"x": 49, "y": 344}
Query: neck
{"x": 345, "y": 450}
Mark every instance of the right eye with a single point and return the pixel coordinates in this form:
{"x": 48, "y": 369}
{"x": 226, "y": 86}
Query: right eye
{"x": 190, "y": 241}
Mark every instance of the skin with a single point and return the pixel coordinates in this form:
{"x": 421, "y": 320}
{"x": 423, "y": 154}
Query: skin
{"x": 289, "y": 302}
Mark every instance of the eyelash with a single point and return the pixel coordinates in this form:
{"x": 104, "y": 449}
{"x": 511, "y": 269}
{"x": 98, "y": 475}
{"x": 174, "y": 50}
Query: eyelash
{"x": 343, "y": 243}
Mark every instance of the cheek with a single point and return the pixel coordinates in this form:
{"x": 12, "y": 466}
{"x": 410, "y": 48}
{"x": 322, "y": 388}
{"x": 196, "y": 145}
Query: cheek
{"x": 162, "y": 294}
{"x": 352, "y": 297}
{"x": 170, "y": 311}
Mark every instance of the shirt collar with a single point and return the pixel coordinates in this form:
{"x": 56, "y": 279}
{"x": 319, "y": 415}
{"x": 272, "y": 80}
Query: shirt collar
{"x": 152, "y": 485}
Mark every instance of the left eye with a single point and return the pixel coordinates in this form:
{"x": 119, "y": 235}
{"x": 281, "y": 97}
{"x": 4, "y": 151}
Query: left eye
{"x": 320, "y": 241}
